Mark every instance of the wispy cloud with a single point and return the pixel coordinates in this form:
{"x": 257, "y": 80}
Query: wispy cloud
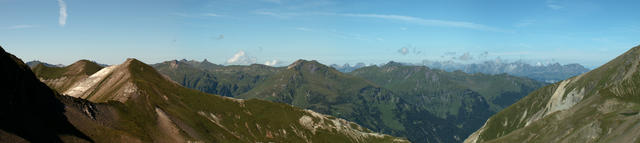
{"x": 211, "y": 14}
{"x": 280, "y": 14}
{"x": 402, "y": 18}
{"x": 525, "y": 23}
{"x": 198, "y": 15}
{"x": 273, "y": 1}
{"x": 427, "y": 22}
{"x": 62, "y": 20}
{"x": 304, "y": 29}
{"x": 22, "y": 26}
{"x": 554, "y": 6}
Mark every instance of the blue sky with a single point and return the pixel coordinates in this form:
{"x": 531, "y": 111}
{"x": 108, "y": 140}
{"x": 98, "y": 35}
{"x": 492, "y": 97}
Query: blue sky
{"x": 239, "y": 32}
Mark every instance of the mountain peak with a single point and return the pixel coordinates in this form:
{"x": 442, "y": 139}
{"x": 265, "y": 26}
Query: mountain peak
{"x": 393, "y": 63}
{"x": 117, "y": 82}
{"x": 300, "y": 62}
{"x": 131, "y": 60}
{"x": 306, "y": 65}
{"x": 84, "y": 66}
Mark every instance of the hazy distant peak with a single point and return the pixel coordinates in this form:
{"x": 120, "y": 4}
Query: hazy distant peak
{"x": 393, "y": 63}
{"x": 301, "y": 62}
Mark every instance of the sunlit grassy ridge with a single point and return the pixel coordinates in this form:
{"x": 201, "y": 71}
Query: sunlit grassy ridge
{"x": 598, "y": 106}
{"x": 192, "y": 115}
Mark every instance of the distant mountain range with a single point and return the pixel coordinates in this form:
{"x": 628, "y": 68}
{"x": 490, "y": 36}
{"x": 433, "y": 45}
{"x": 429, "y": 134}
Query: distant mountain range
{"x": 132, "y": 102}
{"x": 549, "y": 73}
{"x": 347, "y": 68}
{"x": 34, "y": 63}
{"x": 598, "y": 106}
{"x": 418, "y": 102}
{"x": 422, "y": 104}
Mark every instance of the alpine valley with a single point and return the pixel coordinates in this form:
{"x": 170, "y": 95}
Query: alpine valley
{"x": 132, "y": 102}
{"x": 415, "y": 102}
{"x": 319, "y": 71}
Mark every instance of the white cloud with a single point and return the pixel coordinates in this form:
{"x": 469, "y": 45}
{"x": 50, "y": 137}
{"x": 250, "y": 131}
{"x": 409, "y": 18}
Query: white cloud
{"x": 240, "y": 58}
{"x": 403, "y": 50}
{"x": 22, "y": 26}
{"x": 465, "y": 57}
{"x": 62, "y": 20}
{"x": 271, "y": 63}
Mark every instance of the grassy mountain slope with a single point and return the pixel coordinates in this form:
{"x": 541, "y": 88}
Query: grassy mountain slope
{"x": 599, "y": 106}
{"x": 135, "y": 100}
{"x": 227, "y": 81}
{"x": 464, "y": 100}
{"x": 445, "y": 90}
{"x": 311, "y": 85}
{"x": 61, "y": 78}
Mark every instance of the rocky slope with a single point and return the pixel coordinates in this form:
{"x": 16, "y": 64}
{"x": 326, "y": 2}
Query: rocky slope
{"x": 135, "y": 102}
{"x": 62, "y": 78}
{"x": 599, "y": 106}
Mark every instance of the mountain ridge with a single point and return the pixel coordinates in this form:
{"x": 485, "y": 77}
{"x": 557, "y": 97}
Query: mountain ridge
{"x": 161, "y": 109}
{"x": 62, "y": 78}
{"x": 592, "y": 107}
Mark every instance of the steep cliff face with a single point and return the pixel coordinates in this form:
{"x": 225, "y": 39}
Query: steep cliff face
{"x": 599, "y": 106}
